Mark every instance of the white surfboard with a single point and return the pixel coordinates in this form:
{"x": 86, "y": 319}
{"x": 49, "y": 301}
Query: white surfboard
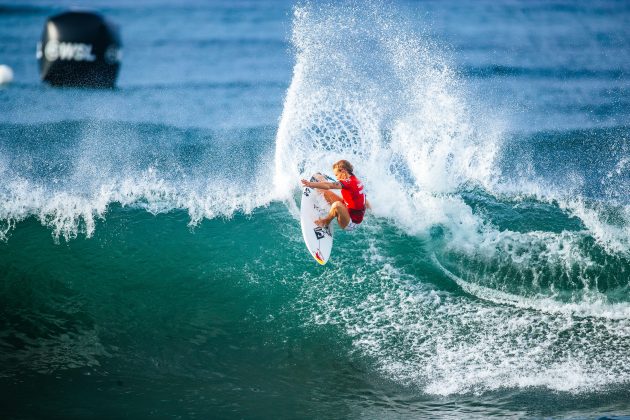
{"x": 319, "y": 240}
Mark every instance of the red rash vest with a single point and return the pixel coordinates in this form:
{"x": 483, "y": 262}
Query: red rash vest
{"x": 353, "y": 197}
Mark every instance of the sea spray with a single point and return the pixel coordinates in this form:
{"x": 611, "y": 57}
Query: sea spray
{"x": 68, "y": 174}
{"x": 367, "y": 88}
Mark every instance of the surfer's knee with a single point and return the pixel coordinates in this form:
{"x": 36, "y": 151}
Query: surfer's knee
{"x": 336, "y": 206}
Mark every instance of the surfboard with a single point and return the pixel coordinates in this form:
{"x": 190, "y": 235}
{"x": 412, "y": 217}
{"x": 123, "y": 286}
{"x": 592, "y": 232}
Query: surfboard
{"x": 313, "y": 206}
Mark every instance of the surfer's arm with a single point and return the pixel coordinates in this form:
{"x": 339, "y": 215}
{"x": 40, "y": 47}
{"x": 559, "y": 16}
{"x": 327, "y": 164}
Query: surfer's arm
{"x": 322, "y": 185}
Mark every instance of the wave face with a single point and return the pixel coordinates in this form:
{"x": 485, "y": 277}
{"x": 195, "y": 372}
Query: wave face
{"x": 150, "y": 249}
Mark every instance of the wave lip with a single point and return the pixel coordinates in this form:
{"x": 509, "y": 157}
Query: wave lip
{"x": 70, "y": 214}
{"x": 67, "y": 174}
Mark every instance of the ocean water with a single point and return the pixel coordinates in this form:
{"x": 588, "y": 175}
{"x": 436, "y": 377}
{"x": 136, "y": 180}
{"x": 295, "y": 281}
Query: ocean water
{"x": 151, "y": 259}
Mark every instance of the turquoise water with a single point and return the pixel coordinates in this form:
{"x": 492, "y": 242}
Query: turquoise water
{"x": 151, "y": 259}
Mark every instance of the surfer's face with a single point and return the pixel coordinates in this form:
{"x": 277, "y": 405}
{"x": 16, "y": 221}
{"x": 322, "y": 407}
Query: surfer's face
{"x": 340, "y": 173}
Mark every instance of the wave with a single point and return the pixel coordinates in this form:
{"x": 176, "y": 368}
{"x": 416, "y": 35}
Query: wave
{"x": 541, "y": 72}
{"x": 26, "y": 10}
{"x": 584, "y": 172}
{"x": 202, "y": 85}
{"x": 533, "y": 228}
{"x": 222, "y": 43}
{"x": 67, "y": 174}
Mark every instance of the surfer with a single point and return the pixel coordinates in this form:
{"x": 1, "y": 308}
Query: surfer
{"x": 350, "y": 207}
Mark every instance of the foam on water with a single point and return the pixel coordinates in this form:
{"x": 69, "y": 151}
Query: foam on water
{"x": 447, "y": 344}
{"x": 606, "y": 221}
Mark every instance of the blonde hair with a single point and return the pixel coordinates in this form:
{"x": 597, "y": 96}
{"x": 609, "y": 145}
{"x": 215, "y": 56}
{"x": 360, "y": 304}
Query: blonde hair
{"x": 344, "y": 164}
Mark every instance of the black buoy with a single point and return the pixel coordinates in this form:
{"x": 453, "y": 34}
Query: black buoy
{"x": 79, "y": 49}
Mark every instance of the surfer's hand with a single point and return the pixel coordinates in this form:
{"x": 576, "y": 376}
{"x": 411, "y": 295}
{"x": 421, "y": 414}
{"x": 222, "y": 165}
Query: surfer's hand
{"x": 306, "y": 183}
{"x": 321, "y": 222}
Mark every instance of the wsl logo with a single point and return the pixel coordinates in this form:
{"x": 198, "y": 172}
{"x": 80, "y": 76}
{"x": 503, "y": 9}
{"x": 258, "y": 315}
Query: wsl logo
{"x": 75, "y": 51}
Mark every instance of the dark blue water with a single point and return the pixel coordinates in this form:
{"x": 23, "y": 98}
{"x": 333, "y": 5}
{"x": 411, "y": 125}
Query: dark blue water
{"x": 151, "y": 260}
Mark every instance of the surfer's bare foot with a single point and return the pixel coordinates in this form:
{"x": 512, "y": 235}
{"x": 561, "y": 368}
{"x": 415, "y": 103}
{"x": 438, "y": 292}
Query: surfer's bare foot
{"x": 321, "y": 222}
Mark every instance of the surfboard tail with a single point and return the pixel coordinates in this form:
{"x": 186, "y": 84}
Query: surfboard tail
{"x": 318, "y": 257}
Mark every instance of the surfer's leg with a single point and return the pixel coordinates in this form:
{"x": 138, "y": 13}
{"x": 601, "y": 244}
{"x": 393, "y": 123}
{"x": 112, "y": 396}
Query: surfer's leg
{"x": 342, "y": 214}
{"x": 338, "y": 211}
{"x": 330, "y": 196}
